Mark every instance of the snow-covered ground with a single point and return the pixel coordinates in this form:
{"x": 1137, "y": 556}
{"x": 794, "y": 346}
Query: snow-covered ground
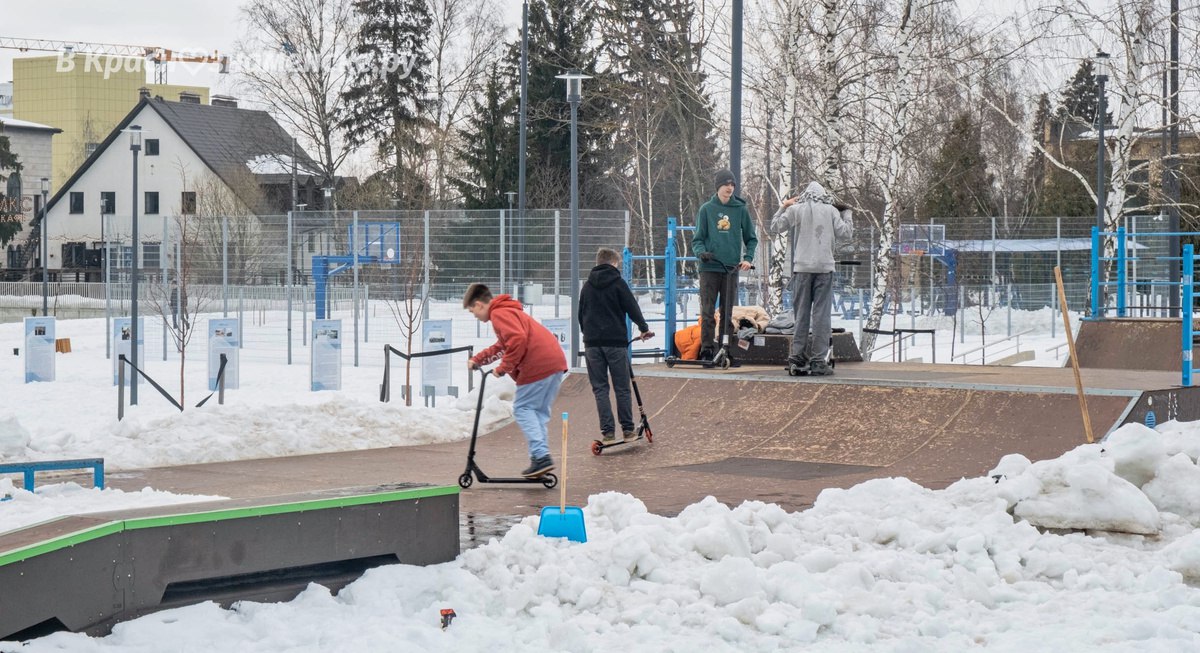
{"x": 1095, "y": 550}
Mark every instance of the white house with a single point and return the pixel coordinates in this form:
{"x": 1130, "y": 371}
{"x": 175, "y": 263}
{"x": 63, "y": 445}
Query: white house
{"x": 189, "y": 153}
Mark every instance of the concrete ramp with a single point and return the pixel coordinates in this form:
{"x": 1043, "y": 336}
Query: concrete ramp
{"x": 1130, "y": 344}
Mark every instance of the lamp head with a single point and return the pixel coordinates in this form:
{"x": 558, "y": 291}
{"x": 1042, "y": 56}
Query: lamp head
{"x": 45, "y": 185}
{"x": 135, "y": 137}
{"x": 1100, "y": 65}
{"x": 574, "y": 80}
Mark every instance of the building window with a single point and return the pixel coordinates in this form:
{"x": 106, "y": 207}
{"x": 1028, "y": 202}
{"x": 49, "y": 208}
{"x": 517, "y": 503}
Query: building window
{"x": 151, "y": 256}
{"x": 73, "y": 255}
{"x": 151, "y": 147}
{"x": 108, "y": 202}
{"x": 76, "y": 202}
{"x": 187, "y": 202}
{"x": 151, "y": 203}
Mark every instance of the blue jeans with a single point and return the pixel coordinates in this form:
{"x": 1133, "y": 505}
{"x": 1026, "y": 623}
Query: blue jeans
{"x": 531, "y": 410}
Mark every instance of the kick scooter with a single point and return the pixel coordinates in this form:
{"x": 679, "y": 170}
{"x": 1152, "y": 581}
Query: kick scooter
{"x": 474, "y": 472}
{"x": 643, "y": 429}
{"x": 721, "y": 358}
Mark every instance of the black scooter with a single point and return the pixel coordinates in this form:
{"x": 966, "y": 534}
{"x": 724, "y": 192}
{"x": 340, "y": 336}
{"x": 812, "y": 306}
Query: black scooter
{"x": 721, "y": 358}
{"x": 474, "y": 472}
{"x": 643, "y": 429}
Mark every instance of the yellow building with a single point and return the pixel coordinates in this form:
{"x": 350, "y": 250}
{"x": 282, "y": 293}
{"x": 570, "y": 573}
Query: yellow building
{"x": 85, "y": 96}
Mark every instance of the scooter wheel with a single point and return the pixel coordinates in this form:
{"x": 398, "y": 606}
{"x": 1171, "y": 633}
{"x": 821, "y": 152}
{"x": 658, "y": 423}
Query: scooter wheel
{"x": 597, "y": 447}
{"x": 725, "y": 363}
{"x": 670, "y": 362}
{"x": 465, "y": 480}
{"x": 549, "y": 480}
{"x": 648, "y": 434}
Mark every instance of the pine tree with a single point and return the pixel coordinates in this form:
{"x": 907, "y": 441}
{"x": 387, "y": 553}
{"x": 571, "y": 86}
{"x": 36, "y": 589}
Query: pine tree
{"x": 387, "y": 98}
{"x": 10, "y": 196}
{"x": 1077, "y": 108}
{"x": 961, "y": 185}
{"x": 560, "y": 37}
{"x": 488, "y": 149}
{"x": 666, "y": 131}
{"x": 1060, "y": 192}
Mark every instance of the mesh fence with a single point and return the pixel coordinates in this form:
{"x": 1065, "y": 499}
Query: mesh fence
{"x": 242, "y": 266}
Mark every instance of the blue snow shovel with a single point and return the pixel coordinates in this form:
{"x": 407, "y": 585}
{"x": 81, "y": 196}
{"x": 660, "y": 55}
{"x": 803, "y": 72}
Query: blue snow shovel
{"x": 563, "y": 520}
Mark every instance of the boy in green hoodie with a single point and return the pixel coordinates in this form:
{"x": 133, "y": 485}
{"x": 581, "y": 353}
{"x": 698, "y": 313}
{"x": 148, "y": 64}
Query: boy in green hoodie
{"x": 723, "y": 228}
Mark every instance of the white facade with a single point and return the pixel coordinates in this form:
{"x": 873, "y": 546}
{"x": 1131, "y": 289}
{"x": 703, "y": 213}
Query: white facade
{"x": 175, "y": 169}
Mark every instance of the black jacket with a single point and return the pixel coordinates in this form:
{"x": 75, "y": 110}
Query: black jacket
{"x": 604, "y": 302}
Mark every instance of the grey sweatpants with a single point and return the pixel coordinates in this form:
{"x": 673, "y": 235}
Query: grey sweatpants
{"x": 812, "y": 305}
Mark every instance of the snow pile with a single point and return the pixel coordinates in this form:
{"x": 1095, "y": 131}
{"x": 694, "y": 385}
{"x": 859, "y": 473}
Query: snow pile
{"x": 246, "y": 428}
{"x": 25, "y": 508}
{"x": 885, "y": 565}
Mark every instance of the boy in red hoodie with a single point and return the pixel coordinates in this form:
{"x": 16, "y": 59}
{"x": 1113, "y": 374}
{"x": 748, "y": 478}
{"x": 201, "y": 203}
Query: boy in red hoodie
{"x": 532, "y": 356}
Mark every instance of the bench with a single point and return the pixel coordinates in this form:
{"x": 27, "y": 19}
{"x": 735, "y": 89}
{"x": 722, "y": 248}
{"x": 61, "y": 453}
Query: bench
{"x": 28, "y": 469}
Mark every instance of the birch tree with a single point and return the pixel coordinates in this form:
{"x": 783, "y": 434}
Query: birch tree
{"x": 294, "y": 59}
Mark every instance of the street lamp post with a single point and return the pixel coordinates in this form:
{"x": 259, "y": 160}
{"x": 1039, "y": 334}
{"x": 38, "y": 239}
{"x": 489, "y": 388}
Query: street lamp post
{"x": 516, "y": 248}
{"x": 574, "y": 80}
{"x": 135, "y": 146}
{"x": 1101, "y": 72}
{"x": 45, "y": 250}
{"x": 1101, "y": 69}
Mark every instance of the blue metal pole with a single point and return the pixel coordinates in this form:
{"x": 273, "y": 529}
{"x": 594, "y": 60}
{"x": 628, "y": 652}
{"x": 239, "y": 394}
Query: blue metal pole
{"x": 1096, "y": 303}
{"x": 1186, "y": 312}
{"x": 627, "y": 272}
{"x": 1121, "y": 272}
{"x": 669, "y": 279}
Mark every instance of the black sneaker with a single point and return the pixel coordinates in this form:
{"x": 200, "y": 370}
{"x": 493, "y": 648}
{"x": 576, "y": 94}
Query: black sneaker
{"x": 706, "y": 355}
{"x": 819, "y": 368}
{"x": 538, "y": 467}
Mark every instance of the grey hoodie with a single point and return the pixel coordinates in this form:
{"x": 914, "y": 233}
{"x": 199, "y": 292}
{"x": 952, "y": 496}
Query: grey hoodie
{"x": 814, "y": 227}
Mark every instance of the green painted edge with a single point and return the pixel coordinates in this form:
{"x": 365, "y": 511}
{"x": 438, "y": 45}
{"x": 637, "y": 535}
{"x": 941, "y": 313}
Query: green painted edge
{"x": 284, "y": 508}
{"x": 61, "y": 542}
{"x": 110, "y": 528}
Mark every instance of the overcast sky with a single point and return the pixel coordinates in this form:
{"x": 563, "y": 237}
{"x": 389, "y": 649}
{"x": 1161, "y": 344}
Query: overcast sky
{"x": 181, "y": 25}
{"x": 203, "y": 25}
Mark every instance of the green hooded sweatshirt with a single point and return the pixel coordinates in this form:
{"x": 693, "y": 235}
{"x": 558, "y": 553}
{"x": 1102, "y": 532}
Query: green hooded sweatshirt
{"x": 722, "y": 229}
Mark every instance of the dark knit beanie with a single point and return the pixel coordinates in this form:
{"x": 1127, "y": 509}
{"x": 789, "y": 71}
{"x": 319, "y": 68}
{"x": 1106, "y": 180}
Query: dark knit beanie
{"x": 724, "y": 176}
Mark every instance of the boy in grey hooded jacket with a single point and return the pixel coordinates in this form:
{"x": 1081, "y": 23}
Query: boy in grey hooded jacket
{"x": 814, "y": 226}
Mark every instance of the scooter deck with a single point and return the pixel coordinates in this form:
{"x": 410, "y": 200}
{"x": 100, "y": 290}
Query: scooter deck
{"x": 598, "y": 446}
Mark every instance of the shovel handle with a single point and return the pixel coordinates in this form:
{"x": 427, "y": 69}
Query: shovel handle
{"x": 562, "y": 488}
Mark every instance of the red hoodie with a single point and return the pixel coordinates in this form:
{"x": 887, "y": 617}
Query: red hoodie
{"x": 528, "y": 351}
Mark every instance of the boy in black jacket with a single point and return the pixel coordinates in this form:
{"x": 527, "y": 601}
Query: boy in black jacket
{"x": 604, "y": 302}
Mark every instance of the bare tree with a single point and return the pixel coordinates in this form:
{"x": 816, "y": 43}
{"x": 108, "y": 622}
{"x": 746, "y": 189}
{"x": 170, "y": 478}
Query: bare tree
{"x": 464, "y": 38}
{"x": 181, "y": 302}
{"x": 402, "y": 287}
{"x": 227, "y": 225}
{"x": 294, "y": 58}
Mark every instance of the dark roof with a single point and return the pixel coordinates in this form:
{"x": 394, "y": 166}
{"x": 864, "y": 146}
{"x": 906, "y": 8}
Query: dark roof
{"x": 225, "y": 138}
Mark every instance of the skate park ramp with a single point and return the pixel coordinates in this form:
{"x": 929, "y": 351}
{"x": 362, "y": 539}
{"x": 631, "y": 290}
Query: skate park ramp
{"x": 88, "y": 572}
{"x": 1130, "y": 344}
{"x": 749, "y": 433}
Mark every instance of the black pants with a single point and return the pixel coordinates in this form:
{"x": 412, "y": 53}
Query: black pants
{"x": 714, "y": 285}
{"x": 603, "y": 362}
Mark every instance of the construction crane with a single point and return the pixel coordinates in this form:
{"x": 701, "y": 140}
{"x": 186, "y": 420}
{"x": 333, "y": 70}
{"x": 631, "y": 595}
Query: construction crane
{"x": 158, "y": 55}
